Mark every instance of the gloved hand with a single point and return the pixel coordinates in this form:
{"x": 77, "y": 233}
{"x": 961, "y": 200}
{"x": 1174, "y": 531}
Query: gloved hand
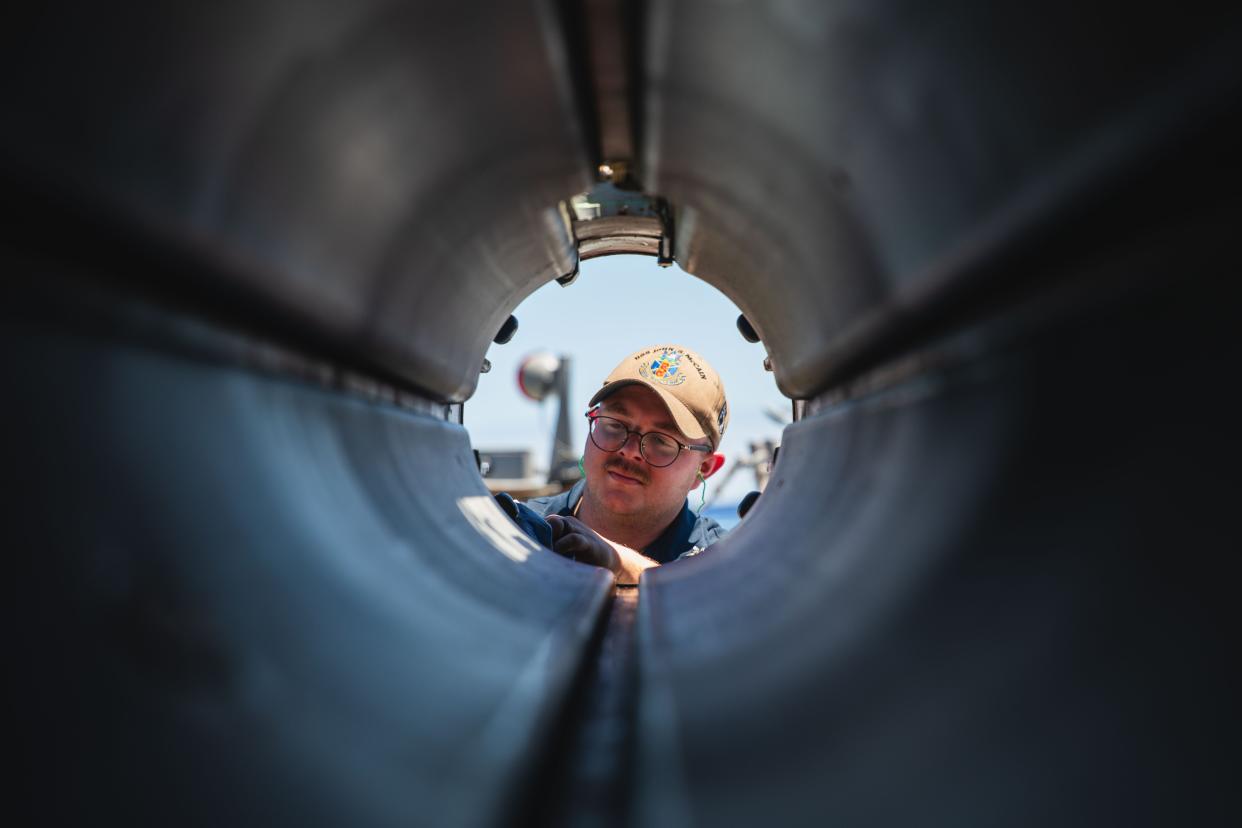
{"x": 574, "y": 539}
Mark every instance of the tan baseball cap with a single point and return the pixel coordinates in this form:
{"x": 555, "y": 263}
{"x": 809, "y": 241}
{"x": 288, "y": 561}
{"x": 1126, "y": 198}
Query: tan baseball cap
{"x": 690, "y": 388}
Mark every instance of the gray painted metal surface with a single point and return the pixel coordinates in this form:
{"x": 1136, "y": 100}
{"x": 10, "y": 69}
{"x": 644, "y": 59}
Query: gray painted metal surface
{"x": 998, "y": 592}
{"x": 387, "y": 174}
{"x": 249, "y": 599}
{"x": 864, "y": 158}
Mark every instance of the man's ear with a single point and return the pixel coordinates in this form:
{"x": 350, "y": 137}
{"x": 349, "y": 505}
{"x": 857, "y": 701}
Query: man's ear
{"x": 711, "y": 465}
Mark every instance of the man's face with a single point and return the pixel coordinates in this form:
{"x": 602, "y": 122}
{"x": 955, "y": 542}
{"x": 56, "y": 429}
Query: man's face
{"x": 622, "y": 481}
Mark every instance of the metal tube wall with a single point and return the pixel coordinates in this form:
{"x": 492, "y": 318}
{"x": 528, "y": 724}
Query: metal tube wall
{"x": 253, "y": 252}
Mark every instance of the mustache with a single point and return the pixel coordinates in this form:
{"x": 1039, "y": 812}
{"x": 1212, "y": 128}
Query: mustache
{"x": 625, "y": 468}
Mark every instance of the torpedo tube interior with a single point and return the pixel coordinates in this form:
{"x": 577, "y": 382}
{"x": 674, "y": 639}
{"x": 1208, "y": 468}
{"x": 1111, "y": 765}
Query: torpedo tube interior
{"x": 255, "y": 255}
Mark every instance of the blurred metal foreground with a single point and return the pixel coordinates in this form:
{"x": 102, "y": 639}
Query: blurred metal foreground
{"x": 254, "y": 256}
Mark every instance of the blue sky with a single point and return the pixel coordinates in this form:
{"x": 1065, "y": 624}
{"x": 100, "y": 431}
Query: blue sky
{"x": 618, "y": 305}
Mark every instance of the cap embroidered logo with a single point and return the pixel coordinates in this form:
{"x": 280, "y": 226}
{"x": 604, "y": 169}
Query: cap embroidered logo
{"x": 664, "y": 369}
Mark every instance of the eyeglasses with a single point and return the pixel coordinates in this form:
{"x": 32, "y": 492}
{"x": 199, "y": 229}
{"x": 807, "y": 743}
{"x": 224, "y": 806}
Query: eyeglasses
{"x": 657, "y": 448}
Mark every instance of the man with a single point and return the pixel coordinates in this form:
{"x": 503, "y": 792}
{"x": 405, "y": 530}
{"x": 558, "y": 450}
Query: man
{"x": 654, "y": 430}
